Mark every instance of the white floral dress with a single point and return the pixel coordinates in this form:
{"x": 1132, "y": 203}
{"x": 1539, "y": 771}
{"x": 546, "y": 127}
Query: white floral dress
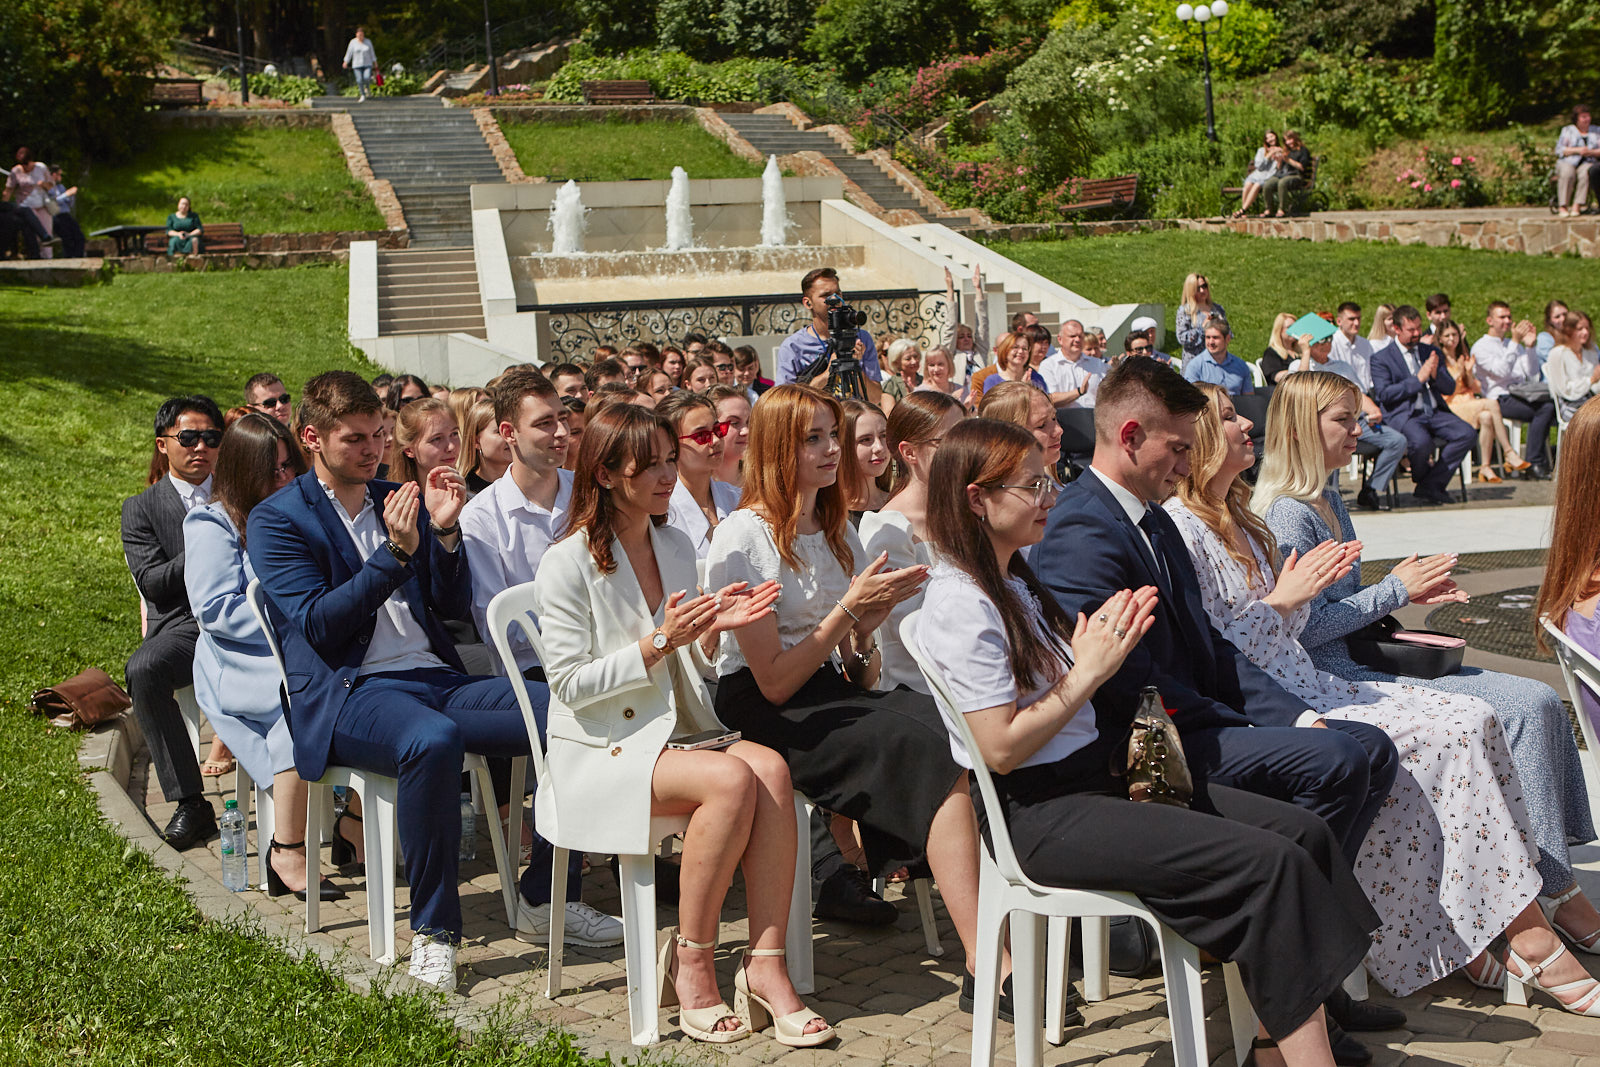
{"x": 1448, "y": 863}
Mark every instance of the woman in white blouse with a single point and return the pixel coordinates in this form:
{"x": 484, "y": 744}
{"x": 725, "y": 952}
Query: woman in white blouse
{"x": 1246, "y": 877}
{"x": 801, "y": 680}
{"x": 899, "y": 529}
{"x": 699, "y": 501}
{"x": 733, "y": 407}
{"x": 625, "y": 647}
{"x": 1573, "y": 368}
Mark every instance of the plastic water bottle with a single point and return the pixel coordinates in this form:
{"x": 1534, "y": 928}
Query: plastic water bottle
{"x": 469, "y": 829}
{"x": 235, "y": 859}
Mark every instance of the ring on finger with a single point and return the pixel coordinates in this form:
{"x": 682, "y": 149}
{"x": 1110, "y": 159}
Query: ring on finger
{"x": 1102, "y": 617}
{"x": 1120, "y": 632}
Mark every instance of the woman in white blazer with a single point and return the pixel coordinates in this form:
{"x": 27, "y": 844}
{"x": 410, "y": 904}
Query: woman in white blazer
{"x": 625, "y": 655}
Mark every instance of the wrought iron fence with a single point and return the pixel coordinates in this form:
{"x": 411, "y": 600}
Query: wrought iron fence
{"x": 575, "y": 329}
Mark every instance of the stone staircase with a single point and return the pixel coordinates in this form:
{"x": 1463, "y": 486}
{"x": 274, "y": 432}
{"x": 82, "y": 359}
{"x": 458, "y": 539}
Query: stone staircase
{"x": 776, "y": 135}
{"x": 429, "y": 291}
{"x": 430, "y": 154}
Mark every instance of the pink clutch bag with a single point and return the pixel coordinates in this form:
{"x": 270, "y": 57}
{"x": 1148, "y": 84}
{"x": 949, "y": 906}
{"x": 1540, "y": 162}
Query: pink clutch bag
{"x": 1427, "y": 638}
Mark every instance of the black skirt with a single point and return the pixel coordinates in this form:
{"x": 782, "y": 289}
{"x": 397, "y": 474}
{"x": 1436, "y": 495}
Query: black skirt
{"x": 1244, "y": 877}
{"x": 879, "y": 758}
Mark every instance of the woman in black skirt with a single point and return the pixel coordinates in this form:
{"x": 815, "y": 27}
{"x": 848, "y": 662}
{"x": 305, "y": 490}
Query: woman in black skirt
{"x": 800, "y": 681}
{"x": 1244, "y": 877}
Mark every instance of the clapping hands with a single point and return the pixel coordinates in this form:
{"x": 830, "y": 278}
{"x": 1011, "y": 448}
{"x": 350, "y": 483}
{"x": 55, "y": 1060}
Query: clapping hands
{"x": 445, "y": 496}
{"x": 1100, "y": 645}
{"x": 1301, "y": 578}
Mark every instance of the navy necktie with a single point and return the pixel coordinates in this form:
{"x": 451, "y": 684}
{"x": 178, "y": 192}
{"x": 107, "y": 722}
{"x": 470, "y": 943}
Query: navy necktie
{"x": 1152, "y": 530}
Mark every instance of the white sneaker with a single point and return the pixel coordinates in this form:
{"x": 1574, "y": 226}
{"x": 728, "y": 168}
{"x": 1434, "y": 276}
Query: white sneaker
{"x": 433, "y": 960}
{"x": 584, "y": 926}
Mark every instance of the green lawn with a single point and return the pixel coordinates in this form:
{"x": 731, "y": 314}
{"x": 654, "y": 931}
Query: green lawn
{"x": 271, "y": 180}
{"x": 105, "y": 961}
{"x": 618, "y": 151}
{"x": 1254, "y": 278}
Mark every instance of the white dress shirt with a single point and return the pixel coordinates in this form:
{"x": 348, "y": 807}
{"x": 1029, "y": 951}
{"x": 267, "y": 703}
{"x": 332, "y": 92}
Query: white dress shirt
{"x": 505, "y": 535}
{"x": 684, "y": 514}
{"x": 1502, "y": 363}
{"x": 1062, "y": 375}
{"x": 399, "y": 643}
{"x": 193, "y": 496}
{"x": 1358, "y": 354}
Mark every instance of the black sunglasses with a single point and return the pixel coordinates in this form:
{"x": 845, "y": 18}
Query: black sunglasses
{"x": 408, "y": 399}
{"x": 190, "y": 438}
{"x": 281, "y": 400}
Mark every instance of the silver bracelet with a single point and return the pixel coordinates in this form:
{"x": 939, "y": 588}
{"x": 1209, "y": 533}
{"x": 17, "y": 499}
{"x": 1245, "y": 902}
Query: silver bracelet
{"x": 847, "y": 611}
{"x": 863, "y": 660}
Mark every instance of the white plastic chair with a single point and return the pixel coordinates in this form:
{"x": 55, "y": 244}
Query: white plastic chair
{"x": 514, "y": 607}
{"x": 266, "y": 815}
{"x": 1581, "y": 669}
{"x": 379, "y": 824}
{"x": 1006, "y": 892}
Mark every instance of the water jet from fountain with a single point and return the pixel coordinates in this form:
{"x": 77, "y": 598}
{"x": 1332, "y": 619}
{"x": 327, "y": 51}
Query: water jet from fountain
{"x": 568, "y": 220}
{"x": 680, "y": 223}
{"x": 774, "y": 213}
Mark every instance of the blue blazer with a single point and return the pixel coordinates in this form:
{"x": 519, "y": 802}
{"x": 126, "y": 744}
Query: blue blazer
{"x": 323, "y": 599}
{"x": 1395, "y": 388}
{"x": 1091, "y": 550}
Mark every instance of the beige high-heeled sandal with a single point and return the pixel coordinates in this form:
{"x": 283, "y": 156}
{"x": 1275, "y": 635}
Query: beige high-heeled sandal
{"x": 698, "y": 1023}
{"x": 788, "y": 1029}
{"x": 1589, "y": 944}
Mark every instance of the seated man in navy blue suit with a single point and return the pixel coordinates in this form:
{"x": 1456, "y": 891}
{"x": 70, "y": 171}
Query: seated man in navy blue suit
{"x": 359, "y": 575}
{"x": 1410, "y": 383}
{"x": 1239, "y": 727}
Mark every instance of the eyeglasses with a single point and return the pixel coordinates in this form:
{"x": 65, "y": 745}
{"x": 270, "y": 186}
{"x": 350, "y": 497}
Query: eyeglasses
{"x": 283, "y": 468}
{"x": 408, "y": 399}
{"x": 705, "y": 436}
{"x": 1041, "y": 487}
{"x": 190, "y": 438}
{"x": 723, "y": 368}
{"x": 1139, "y": 350}
{"x": 281, "y": 400}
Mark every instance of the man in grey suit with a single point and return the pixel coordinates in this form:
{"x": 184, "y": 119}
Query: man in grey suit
{"x": 188, "y": 431}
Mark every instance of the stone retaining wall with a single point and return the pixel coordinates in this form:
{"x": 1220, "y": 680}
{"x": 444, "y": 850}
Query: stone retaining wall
{"x": 504, "y": 157}
{"x": 1049, "y": 231}
{"x": 355, "y": 158}
{"x": 1533, "y": 235}
{"x": 565, "y": 113}
{"x": 228, "y": 261}
{"x": 716, "y": 126}
{"x": 217, "y": 118}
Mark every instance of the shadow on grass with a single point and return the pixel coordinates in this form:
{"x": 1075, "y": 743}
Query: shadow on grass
{"x": 96, "y": 363}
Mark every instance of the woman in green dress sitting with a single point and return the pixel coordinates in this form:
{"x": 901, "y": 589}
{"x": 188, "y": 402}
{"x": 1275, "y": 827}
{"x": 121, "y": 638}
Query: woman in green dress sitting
{"x": 183, "y": 230}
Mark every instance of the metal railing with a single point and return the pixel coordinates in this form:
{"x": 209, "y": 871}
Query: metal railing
{"x": 459, "y": 52}
{"x": 205, "y": 59}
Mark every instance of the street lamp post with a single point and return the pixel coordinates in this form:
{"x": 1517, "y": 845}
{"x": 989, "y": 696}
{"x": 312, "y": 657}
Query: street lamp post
{"x": 1202, "y": 15}
{"x": 244, "y": 75}
{"x": 488, "y": 50}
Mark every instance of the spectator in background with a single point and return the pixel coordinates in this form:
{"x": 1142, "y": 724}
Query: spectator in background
{"x": 905, "y": 363}
{"x": 657, "y": 384}
{"x": 28, "y": 182}
{"x": 568, "y": 378}
{"x": 733, "y": 408}
{"x": 485, "y": 455}
{"x": 603, "y": 372}
{"x": 1146, "y": 327}
{"x": 1283, "y": 352}
{"x": 1555, "y": 314}
{"x": 1219, "y": 366}
{"x": 1195, "y": 309}
{"x": 1471, "y": 406}
{"x": 721, "y": 361}
{"x": 964, "y": 343}
{"x": 1011, "y": 362}
{"x": 1577, "y": 152}
{"x": 693, "y": 345}
{"x": 804, "y": 347}
{"x": 1263, "y": 168}
{"x": 361, "y": 59}
{"x": 1350, "y": 347}
{"x": 1378, "y": 440}
{"x": 577, "y": 410}
{"x": 1574, "y": 367}
{"x": 64, "y": 224}
{"x": 380, "y": 385}
{"x": 747, "y": 372}
{"x": 461, "y": 403}
{"x": 184, "y": 230}
{"x": 1294, "y": 165}
{"x": 1508, "y": 367}
{"x": 1094, "y": 343}
{"x": 1072, "y": 375}
{"x": 425, "y": 437}
{"x": 700, "y": 373}
{"x": 1438, "y": 308}
{"x": 1413, "y": 387}
{"x": 265, "y": 393}
{"x": 1382, "y": 331}
{"x": 188, "y": 431}
{"x": 672, "y": 363}
{"x": 699, "y": 501}
{"x": 405, "y": 389}
{"x": 863, "y": 457}
{"x": 940, "y": 374}
{"x": 634, "y": 364}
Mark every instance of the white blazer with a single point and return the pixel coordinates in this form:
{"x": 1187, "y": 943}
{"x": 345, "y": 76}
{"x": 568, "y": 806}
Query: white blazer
{"x": 609, "y": 717}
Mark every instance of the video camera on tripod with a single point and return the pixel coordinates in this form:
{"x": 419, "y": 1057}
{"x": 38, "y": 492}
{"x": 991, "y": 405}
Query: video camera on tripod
{"x": 846, "y": 378}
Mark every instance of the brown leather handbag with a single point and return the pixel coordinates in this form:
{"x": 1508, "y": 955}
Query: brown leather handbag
{"x": 1156, "y": 768}
{"x": 82, "y": 701}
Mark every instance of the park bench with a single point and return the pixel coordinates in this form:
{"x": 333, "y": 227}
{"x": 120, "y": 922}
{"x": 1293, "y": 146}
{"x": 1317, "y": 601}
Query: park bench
{"x": 618, "y": 92}
{"x": 177, "y": 92}
{"x": 215, "y": 238}
{"x": 1090, "y": 194}
{"x": 1302, "y": 196}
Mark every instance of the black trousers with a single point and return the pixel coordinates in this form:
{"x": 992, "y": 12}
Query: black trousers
{"x": 1539, "y": 416}
{"x": 158, "y": 668}
{"x": 1244, "y": 877}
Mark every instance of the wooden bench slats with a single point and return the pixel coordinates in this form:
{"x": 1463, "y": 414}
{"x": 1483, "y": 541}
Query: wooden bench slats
{"x": 618, "y": 92}
{"x": 1095, "y": 193}
{"x": 177, "y": 92}
{"x": 215, "y": 237}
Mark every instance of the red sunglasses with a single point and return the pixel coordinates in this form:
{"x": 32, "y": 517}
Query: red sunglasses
{"x": 704, "y": 437}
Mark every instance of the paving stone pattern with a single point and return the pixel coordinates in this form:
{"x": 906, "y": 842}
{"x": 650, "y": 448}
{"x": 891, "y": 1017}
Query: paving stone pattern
{"x": 889, "y": 1000}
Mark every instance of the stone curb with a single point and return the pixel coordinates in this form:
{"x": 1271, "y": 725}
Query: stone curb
{"x": 504, "y": 157}
{"x": 1531, "y": 236}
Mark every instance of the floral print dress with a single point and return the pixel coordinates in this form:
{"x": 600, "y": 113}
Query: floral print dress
{"x": 1448, "y": 864}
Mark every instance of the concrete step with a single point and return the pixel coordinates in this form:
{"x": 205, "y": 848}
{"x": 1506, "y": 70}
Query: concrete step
{"x": 453, "y": 299}
{"x": 444, "y": 321}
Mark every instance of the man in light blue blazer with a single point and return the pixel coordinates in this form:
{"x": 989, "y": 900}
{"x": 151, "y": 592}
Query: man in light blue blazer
{"x": 359, "y": 575}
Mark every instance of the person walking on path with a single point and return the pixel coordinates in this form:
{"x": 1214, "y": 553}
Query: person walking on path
{"x": 361, "y": 59}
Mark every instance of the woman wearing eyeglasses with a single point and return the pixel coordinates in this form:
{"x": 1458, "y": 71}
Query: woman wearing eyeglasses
{"x": 699, "y": 501}
{"x": 235, "y": 678}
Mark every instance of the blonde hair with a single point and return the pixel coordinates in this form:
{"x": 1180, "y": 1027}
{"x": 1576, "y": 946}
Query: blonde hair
{"x": 1377, "y": 332}
{"x": 1010, "y": 402}
{"x": 476, "y": 419}
{"x": 1230, "y": 514}
{"x": 1281, "y": 342}
{"x": 1191, "y": 286}
{"x": 1293, "y": 464}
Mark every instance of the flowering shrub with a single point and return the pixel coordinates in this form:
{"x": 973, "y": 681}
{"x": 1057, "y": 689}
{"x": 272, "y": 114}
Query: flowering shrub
{"x": 1000, "y": 187}
{"x": 967, "y": 78}
{"x": 674, "y": 76}
{"x": 1444, "y": 179}
{"x": 1113, "y": 81}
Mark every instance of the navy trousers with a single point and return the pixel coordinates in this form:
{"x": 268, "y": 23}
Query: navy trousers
{"x": 1342, "y": 773}
{"x": 416, "y": 726}
{"x": 1459, "y": 438}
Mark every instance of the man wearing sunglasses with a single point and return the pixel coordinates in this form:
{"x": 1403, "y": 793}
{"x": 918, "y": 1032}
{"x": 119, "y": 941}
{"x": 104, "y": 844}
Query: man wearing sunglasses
{"x": 265, "y": 393}
{"x": 188, "y": 431}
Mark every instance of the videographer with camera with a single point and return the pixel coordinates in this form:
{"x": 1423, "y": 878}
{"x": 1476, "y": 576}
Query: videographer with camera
{"x": 814, "y": 355}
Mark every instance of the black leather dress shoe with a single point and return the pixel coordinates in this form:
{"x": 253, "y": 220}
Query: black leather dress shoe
{"x": 1537, "y": 473}
{"x": 1359, "y": 1016}
{"x": 969, "y": 990}
{"x": 1347, "y": 1051}
{"x": 192, "y": 823}
{"x": 846, "y": 896}
{"x": 1369, "y": 500}
{"x": 1425, "y": 500}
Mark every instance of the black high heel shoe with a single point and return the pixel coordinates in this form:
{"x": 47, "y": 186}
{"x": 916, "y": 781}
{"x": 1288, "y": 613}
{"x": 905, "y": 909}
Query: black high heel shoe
{"x": 275, "y": 887}
{"x": 342, "y": 852}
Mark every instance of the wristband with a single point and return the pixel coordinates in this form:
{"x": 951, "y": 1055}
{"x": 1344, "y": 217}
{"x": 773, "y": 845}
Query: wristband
{"x": 397, "y": 552}
{"x": 442, "y": 531}
{"x": 848, "y": 612}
